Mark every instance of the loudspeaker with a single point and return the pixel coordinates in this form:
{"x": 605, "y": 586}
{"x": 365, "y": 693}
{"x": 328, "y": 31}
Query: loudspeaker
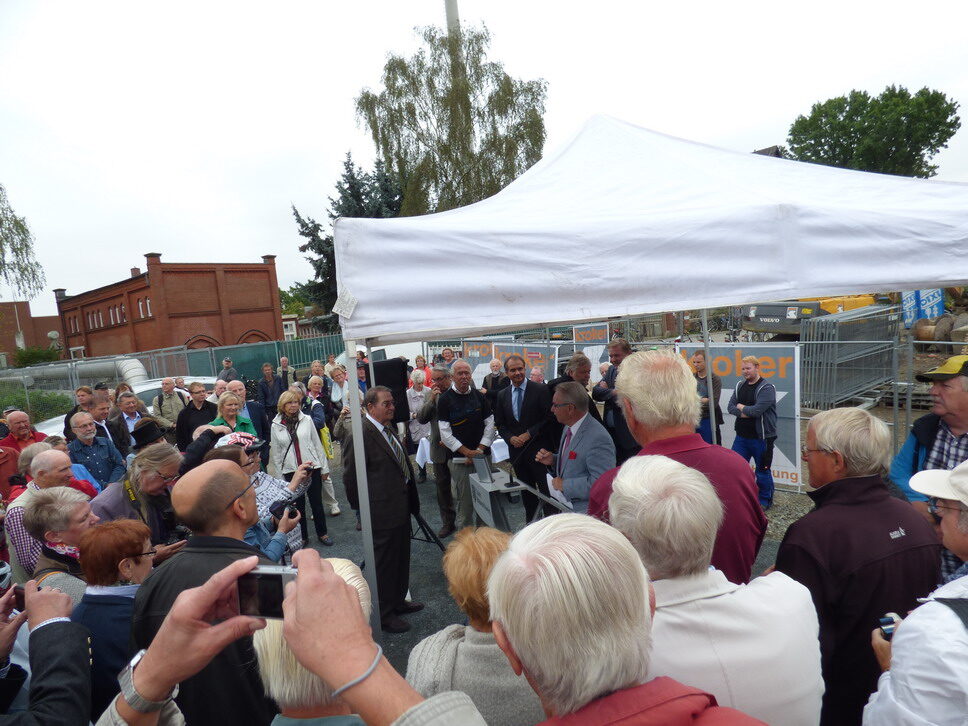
{"x": 393, "y": 374}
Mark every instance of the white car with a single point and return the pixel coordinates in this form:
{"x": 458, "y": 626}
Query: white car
{"x": 146, "y": 391}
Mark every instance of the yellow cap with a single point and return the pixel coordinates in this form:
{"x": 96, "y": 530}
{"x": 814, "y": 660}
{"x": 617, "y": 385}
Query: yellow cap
{"x": 955, "y": 366}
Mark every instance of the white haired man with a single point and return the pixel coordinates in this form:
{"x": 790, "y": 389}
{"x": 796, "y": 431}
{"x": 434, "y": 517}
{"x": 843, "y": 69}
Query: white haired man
{"x": 752, "y": 646}
{"x": 576, "y": 625}
{"x": 938, "y": 440}
{"x": 166, "y": 406}
{"x": 658, "y": 393}
{"x": 926, "y": 664}
{"x": 860, "y": 552}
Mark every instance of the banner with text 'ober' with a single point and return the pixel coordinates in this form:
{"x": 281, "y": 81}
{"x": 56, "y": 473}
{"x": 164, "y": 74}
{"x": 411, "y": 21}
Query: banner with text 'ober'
{"x": 780, "y": 365}
{"x": 592, "y": 340}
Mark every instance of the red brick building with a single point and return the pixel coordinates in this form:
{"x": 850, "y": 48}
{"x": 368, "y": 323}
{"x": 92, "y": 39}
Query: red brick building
{"x": 19, "y": 329}
{"x": 200, "y": 305}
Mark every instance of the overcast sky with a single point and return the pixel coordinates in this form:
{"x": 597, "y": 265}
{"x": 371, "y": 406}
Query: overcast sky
{"x": 189, "y": 128}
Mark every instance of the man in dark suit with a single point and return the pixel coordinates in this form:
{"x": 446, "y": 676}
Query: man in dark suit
{"x": 625, "y": 444}
{"x": 393, "y": 496}
{"x": 113, "y": 429}
{"x": 523, "y": 419}
{"x": 255, "y": 412}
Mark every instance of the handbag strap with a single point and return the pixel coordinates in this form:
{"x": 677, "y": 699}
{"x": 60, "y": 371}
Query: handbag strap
{"x": 958, "y": 604}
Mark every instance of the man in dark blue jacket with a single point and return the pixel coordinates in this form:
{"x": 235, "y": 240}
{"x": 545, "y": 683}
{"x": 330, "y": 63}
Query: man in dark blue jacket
{"x": 753, "y": 403}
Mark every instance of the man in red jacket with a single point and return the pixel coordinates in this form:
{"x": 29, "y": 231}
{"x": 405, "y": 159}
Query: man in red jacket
{"x": 658, "y": 395}
{"x": 21, "y": 434}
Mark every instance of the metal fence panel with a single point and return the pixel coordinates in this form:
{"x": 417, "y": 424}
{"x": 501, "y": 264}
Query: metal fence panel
{"x": 847, "y": 354}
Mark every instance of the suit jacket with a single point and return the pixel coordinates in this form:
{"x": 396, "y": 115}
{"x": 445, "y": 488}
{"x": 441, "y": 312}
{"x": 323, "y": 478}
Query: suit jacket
{"x": 120, "y": 436}
{"x": 536, "y": 418}
{"x": 257, "y": 414}
{"x": 392, "y": 491}
{"x": 494, "y": 385}
{"x": 428, "y": 414}
{"x": 590, "y": 454}
{"x": 614, "y": 416}
{"x": 60, "y": 677}
{"x": 288, "y": 379}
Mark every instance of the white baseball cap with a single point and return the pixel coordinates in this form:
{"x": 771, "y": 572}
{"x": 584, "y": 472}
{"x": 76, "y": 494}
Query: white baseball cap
{"x": 943, "y": 483}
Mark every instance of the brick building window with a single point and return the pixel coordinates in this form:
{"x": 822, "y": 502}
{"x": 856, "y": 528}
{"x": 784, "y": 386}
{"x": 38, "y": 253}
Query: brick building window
{"x": 141, "y": 308}
{"x": 124, "y": 317}
{"x": 148, "y": 305}
{"x": 100, "y": 319}
{"x": 111, "y": 315}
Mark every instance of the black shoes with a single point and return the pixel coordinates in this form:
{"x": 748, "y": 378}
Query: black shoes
{"x": 326, "y": 540}
{"x": 409, "y": 607}
{"x": 393, "y": 624}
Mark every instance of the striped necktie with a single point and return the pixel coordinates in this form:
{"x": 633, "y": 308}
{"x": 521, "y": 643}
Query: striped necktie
{"x": 398, "y": 450}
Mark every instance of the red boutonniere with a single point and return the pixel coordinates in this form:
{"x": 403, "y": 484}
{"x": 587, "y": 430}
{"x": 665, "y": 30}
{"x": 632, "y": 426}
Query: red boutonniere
{"x": 572, "y": 455}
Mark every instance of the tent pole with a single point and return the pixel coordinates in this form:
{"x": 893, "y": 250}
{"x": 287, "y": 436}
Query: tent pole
{"x": 709, "y": 377}
{"x": 363, "y": 489}
{"x": 369, "y": 358}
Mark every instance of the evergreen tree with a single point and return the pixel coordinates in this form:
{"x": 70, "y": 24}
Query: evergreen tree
{"x": 358, "y": 194}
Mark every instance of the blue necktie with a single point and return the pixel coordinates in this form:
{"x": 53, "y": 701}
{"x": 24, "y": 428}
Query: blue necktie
{"x": 517, "y": 403}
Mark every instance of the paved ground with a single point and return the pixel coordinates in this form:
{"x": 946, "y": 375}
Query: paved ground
{"x": 427, "y": 583}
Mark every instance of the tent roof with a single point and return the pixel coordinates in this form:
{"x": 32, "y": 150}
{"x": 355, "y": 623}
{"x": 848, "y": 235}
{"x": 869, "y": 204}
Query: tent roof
{"x": 627, "y": 221}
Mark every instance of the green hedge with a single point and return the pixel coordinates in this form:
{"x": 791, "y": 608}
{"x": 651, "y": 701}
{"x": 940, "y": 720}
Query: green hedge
{"x": 41, "y": 405}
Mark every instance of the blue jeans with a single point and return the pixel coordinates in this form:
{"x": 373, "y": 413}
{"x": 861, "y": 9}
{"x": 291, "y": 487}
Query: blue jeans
{"x": 705, "y": 430}
{"x": 761, "y": 452}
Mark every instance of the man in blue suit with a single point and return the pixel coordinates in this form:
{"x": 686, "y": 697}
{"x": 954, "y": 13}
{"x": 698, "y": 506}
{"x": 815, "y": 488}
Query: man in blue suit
{"x": 255, "y": 412}
{"x": 586, "y": 450}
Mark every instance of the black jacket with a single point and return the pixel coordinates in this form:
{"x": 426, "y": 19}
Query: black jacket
{"x": 189, "y": 419}
{"x": 536, "y": 418}
{"x": 393, "y": 496}
{"x": 120, "y": 436}
{"x": 227, "y": 690}
{"x": 60, "y": 679}
{"x": 861, "y": 553}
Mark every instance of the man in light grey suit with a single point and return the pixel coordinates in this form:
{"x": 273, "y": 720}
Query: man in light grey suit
{"x": 586, "y": 450}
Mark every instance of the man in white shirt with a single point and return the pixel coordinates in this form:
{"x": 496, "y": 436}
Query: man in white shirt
{"x": 925, "y": 679}
{"x": 755, "y": 647}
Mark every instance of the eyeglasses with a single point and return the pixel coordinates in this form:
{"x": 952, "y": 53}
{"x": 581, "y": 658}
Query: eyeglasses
{"x": 149, "y": 553}
{"x": 168, "y": 479}
{"x": 933, "y": 507}
{"x": 559, "y": 405}
{"x": 239, "y": 495}
{"x": 804, "y": 450}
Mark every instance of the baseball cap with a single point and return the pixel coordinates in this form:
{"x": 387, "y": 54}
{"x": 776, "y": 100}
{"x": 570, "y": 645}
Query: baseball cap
{"x": 943, "y": 483}
{"x": 240, "y": 438}
{"x": 956, "y": 365}
{"x": 226, "y": 360}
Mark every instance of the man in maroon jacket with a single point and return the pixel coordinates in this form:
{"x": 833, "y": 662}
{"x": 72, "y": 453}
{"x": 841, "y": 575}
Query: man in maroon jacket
{"x": 661, "y": 406}
{"x": 861, "y": 553}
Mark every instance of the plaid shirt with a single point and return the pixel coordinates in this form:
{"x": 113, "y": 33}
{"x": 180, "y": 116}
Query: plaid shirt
{"x": 26, "y": 547}
{"x": 947, "y": 452}
{"x": 268, "y": 491}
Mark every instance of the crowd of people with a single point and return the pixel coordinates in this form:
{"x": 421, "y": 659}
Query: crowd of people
{"x": 629, "y": 597}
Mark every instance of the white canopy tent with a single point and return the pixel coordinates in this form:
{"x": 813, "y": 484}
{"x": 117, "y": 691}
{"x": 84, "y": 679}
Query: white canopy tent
{"x": 626, "y": 221}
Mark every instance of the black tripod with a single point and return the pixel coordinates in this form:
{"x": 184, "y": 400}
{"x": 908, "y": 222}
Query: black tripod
{"x": 423, "y": 533}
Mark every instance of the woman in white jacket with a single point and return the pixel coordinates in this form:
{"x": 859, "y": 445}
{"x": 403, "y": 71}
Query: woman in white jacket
{"x": 294, "y": 441}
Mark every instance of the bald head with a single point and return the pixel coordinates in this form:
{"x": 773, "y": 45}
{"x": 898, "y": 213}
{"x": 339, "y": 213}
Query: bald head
{"x": 51, "y": 468}
{"x": 202, "y": 497}
{"x": 238, "y": 388}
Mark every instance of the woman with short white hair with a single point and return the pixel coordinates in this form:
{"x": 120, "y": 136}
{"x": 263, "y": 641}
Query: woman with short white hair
{"x": 301, "y": 695}
{"x": 417, "y": 396}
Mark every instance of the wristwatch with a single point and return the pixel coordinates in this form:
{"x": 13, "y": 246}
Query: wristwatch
{"x": 131, "y": 696}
